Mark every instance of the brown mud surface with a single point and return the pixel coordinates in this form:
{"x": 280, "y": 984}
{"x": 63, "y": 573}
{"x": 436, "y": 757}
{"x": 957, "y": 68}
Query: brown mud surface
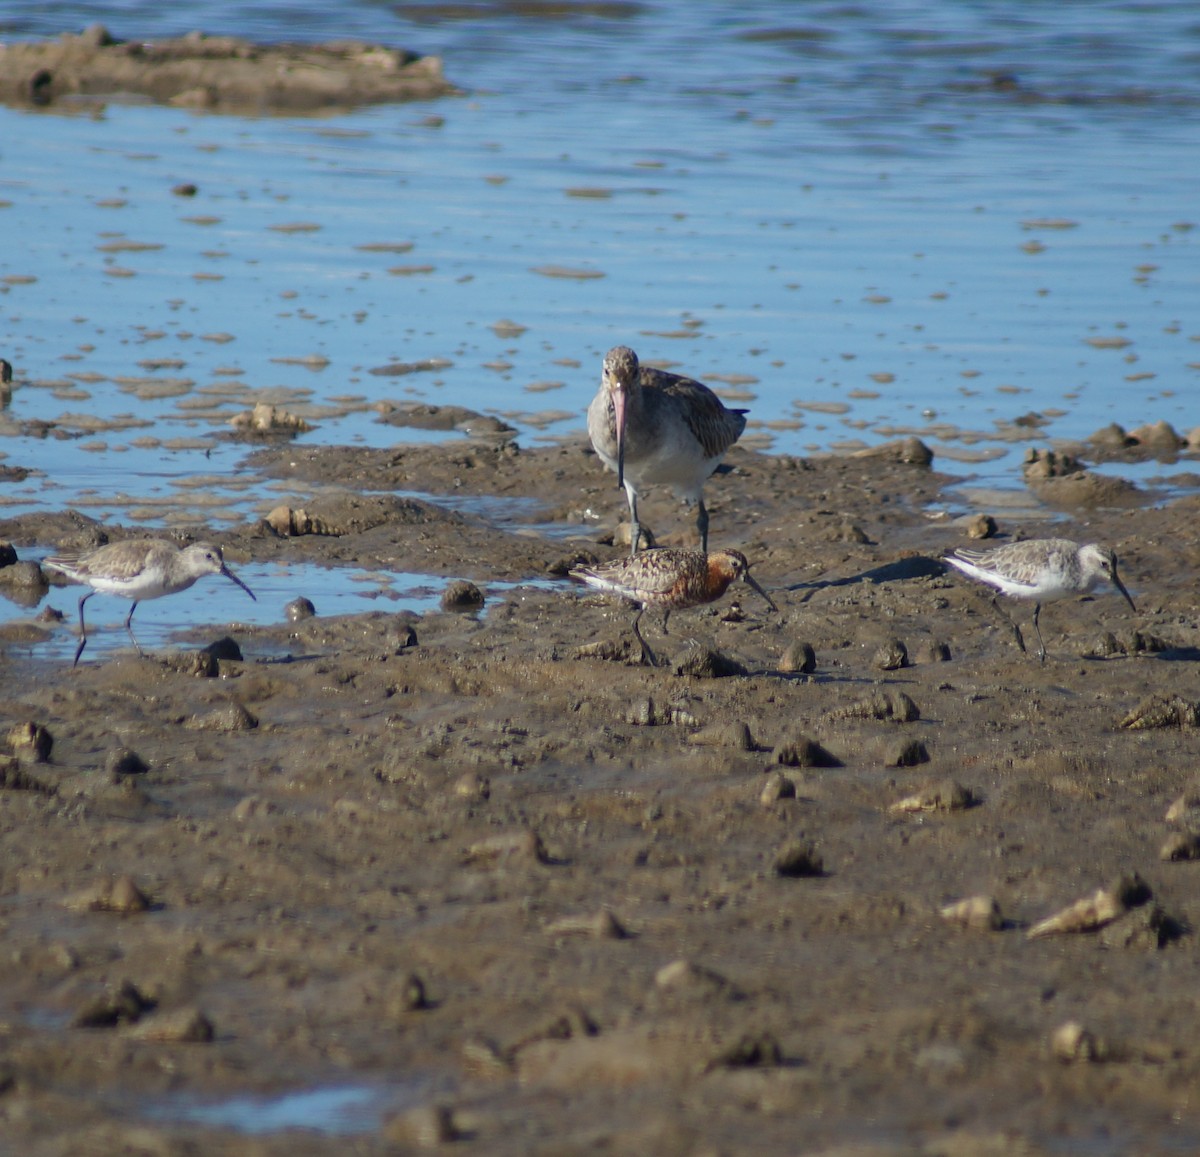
{"x": 545, "y": 899}
{"x": 216, "y": 73}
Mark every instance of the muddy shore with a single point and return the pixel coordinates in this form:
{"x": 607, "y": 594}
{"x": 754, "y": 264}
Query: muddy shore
{"x": 541, "y": 898}
{"x": 221, "y": 74}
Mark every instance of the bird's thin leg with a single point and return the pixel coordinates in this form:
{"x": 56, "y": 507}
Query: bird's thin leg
{"x": 1037, "y": 610}
{"x": 666, "y": 616}
{"x": 646, "y": 652}
{"x": 1011, "y": 622}
{"x": 82, "y": 629}
{"x": 635, "y": 530}
{"x": 129, "y": 628}
{"x": 702, "y": 525}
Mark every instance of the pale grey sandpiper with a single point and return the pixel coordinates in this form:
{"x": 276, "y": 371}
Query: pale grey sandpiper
{"x": 139, "y": 569}
{"x": 670, "y": 579}
{"x": 657, "y": 428}
{"x": 1042, "y": 569}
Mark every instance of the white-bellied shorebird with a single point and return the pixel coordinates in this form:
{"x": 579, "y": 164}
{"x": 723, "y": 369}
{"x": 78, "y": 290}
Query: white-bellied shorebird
{"x": 670, "y": 579}
{"x": 654, "y": 427}
{"x": 139, "y": 569}
{"x": 1042, "y": 569}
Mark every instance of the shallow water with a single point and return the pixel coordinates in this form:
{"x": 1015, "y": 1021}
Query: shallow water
{"x": 334, "y": 1111}
{"x": 206, "y": 608}
{"x": 836, "y": 216}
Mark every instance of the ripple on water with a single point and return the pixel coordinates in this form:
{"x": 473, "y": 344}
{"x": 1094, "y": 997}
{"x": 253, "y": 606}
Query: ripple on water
{"x": 893, "y": 190}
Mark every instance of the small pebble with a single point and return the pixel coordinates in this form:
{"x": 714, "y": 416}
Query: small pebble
{"x": 1162, "y": 711}
{"x": 1038, "y": 465}
{"x": 1184, "y": 810}
{"x": 427, "y": 1127}
{"x": 462, "y": 597}
{"x": 1102, "y": 907}
{"x": 982, "y": 526}
{"x": 621, "y": 536}
{"x": 181, "y": 1026}
{"x": 733, "y": 735}
{"x": 1111, "y": 437}
{"x": 124, "y": 762}
{"x": 692, "y": 980}
{"x": 1145, "y": 929}
{"x": 895, "y": 706}
{"x": 299, "y": 608}
{"x": 566, "y": 563}
{"x": 776, "y": 787}
{"x": 125, "y": 1005}
{"x": 1072, "y": 1042}
{"x": 978, "y": 912}
{"x": 484, "y": 1059}
{"x": 799, "y": 858}
{"x": 524, "y": 845}
{"x": 754, "y": 1050}
{"x": 268, "y": 419}
{"x": 194, "y": 664}
{"x": 845, "y": 532}
{"x": 801, "y": 751}
{"x": 704, "y": 663}
{"x": 1180, "y": 846}
{"x": 891, "y": 656}
{"x": 31, "y": 739}
{"x": 402, "y": 636}
{"x": 641, "y": 713}
{"x": 1161, "y": 435}
{"x": 949, "y": 795}
{"x": 251, "y": 807}
{"x": 798, "y": 658}
{"x": 1141, "y": 643}
{"x": 281, "y": 521}
{"x": 610, "y": 650}
{"x": 602, "y": 925}
{"x": 232, "y": 717}
{"x": 910, "y": 451}
{"x": 13, "y": 777}
{"x": 225, "y": 650}
{"x": 24, "y": 577}
{"x": 96, "y": 36}
{"x": 907, "y": 753}
{"x": 471, "y": 785}
{"x": 409, "y": 996}
{"x": 120, "y": 895}
{"x": 934, "y": 651}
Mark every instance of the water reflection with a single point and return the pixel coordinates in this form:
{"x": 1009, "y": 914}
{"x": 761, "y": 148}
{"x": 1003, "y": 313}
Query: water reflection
{"x": 342, "y": 1110}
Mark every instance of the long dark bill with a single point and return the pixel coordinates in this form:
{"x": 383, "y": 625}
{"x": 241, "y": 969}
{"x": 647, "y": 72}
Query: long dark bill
{"x": 230, "y": 575}
{"x": 754, "y": 583}
{"x": 619, "y": 419}
{"x": 1116, "y": 578}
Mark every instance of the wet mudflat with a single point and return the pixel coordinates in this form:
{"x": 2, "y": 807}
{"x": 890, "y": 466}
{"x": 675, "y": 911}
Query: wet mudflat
{"x": 509, "y": 891}
{"x": 854, "y": 877}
